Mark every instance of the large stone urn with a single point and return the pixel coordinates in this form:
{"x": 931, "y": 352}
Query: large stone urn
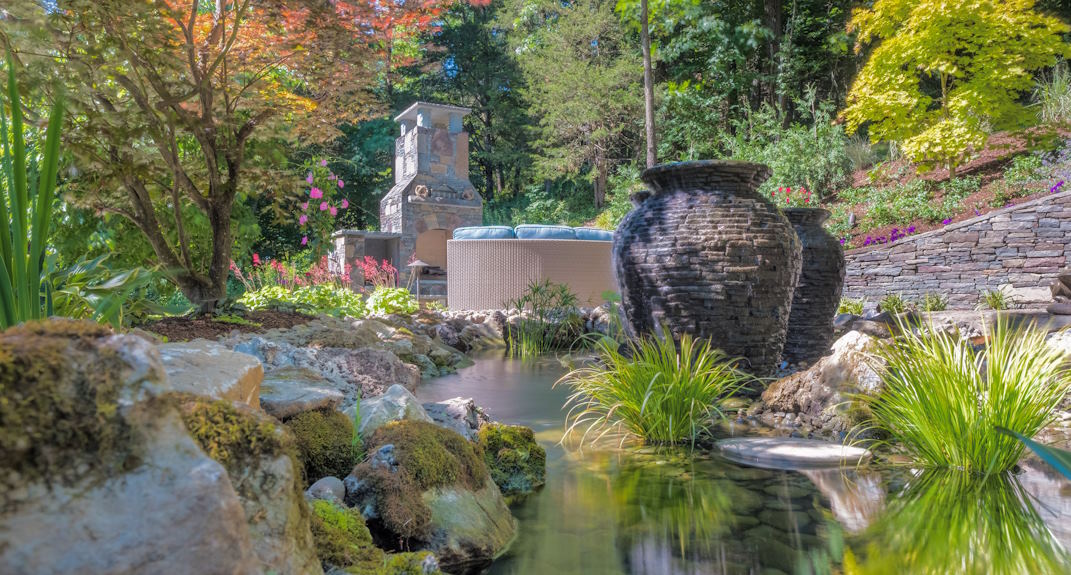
{"x": 706, "y": 254}
{"x": 817, "y": 295}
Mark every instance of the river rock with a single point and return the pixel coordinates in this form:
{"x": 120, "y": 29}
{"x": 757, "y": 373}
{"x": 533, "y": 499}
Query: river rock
{"x": 820, "y": 394}
{"x": 459, "y": 414}
{"x": 207, "y": 368}
{"x": 329, "y": 488}
{"x": 397, "y": 404}
{"x": 289, "y": 391}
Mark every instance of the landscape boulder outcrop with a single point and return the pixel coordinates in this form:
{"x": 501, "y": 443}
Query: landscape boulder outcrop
{"x": 210, "y": 369}
{"x": 288, "y": 391}
{"x": 517, "y": 462}
{"x": 397, "y": 404}
{"x": 821, "y": 396}
{"x": 460, "y": 414}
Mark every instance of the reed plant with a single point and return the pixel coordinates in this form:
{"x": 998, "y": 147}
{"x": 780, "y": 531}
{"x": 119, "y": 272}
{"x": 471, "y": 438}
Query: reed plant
{"x": 658, "y": 390}
{"x": 550, "y": 320}
{"x": 24, "y": 212}
{"x": 994, "y": 299}
{"x": 893, "y": 303}
{"x": 943, "y": 399}
{"x": 933, "y": 301}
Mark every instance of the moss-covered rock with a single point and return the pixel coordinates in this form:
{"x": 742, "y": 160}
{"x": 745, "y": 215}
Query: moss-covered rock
{"x": 344, "y": 542}
{"x": 325, "y": 443}
{"x": 228, "y": 435}
{"x": 429, "y": 488}
{"x": 60, "y": 390}
{"x": 518, "y": 464}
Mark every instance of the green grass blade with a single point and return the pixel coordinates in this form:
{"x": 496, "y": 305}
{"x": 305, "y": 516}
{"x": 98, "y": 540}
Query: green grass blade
{"x": 1058, "y": 458}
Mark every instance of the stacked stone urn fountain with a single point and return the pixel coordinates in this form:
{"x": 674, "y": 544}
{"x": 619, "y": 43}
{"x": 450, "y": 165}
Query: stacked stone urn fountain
{"x": 705, "y": 254}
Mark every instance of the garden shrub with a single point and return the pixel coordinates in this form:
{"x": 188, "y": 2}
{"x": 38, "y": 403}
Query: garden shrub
{"x": 517, "y": 462}
{"x": 893, "y": 303}
{"x": 933, "y": 301}
{"x": 915, "y": 200}
{"x": 324, "y": 441}
{"x": 388, "y": 300}
{"x": 324, "y": 298}
{"x": 852, "y": 306}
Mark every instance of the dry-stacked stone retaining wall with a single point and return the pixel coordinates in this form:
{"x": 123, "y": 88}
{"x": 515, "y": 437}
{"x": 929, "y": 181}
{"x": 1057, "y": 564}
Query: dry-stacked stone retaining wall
{"x": 1020, "y": 249}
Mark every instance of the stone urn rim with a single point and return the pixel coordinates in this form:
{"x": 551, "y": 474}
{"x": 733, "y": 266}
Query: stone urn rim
{"x": 807, "y": 216}
{"x": 663, "y": 177}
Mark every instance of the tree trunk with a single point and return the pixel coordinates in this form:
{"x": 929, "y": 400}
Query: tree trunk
{"x": 648, "y": 87}
{"x": 601, "y": 171}
{"x": 773, "y": 21}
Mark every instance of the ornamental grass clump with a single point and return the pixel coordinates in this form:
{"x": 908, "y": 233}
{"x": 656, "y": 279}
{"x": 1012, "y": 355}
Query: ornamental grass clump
{"x": 944, "y": 399}
{"x": 660, "y": 391}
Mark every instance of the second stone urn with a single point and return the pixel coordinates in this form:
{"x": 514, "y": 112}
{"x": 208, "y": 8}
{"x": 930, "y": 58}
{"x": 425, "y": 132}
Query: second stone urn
{"x": 817, "y": 295}
{"x": 706, "y": 254}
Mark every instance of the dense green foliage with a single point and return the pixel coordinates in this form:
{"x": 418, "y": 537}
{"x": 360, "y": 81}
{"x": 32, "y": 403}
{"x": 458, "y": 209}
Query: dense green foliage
{"x": 660, "y": 391}
{"x": 388, "y": 300}
{"x": 943, "y": 400}
{"x": 316, "y": 299}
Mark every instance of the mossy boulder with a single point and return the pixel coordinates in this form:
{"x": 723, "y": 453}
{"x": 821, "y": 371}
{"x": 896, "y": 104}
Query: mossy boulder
{"x": 429, "y": 488}
{"x": 344, "y": 543}
{"x": 259, "y": 455}
{"x": 325, "y": 443}
{"x": 518, "y": 464}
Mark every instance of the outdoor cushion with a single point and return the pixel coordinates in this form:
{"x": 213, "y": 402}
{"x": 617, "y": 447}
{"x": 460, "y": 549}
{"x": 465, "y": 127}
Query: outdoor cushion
{"x": 536, "y": 232}
{"x": 484, "y": 233}
{"x": 594, "y": 234}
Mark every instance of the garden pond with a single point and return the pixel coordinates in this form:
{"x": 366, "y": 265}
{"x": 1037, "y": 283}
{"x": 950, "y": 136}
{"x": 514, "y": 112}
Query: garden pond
{"x": 656, "y": 511}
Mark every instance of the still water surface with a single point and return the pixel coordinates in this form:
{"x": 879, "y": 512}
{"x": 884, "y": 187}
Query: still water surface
{"x": 646, "y": 511}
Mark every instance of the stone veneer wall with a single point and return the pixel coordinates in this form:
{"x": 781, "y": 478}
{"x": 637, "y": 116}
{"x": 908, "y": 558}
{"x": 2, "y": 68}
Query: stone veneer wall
{"x": 1022, "y": 247}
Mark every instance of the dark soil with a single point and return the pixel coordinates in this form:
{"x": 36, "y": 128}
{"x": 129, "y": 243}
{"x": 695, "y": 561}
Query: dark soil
{"x": 211, "y": 327}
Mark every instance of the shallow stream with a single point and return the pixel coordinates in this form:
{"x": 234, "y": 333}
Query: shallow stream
{"x": 648, "y": 511}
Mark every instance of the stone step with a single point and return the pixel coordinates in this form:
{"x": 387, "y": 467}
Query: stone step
{"x": 790, "y": 453}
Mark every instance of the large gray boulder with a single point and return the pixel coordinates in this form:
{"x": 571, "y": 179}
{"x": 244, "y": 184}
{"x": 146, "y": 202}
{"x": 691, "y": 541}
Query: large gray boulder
{"x": 397, "y": 404}
{"x": 288, "y": 391}
{"x": 207, "y": 368}
{"x": 459, "y": 414}
{"x": 86, "y": 450}
{"x": 821, "y": 395}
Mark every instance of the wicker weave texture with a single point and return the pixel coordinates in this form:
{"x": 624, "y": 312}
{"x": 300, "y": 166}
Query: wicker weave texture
{"x": 486, "y": 274}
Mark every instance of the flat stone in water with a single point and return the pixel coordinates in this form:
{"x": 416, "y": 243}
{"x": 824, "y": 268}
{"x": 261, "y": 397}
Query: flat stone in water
{"x": 790, "y": 452}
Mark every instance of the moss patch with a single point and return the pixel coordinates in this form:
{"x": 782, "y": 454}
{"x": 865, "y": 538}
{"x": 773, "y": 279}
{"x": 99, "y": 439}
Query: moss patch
{"x": 228, "y": 435}
{"x": 428, "y": 456}
{"x": 324, "y": 442}
{"x": 517, "y": 463}
{"x": 343, "y": 541}
{"x": 59, "y": 403}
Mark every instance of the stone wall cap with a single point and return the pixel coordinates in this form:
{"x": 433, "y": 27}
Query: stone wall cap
{"x": 410, "y": 113}
{"x": 752, "y": 172}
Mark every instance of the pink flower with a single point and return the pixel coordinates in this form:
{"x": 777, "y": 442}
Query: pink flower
{"x": 323, "y": 163}
{"x": 316, "y": 193}
{"x": 334, "y": 211}
{"x": 304, "y": 240}
{"x": 340, "y": 184}
{"x": 256, "y": 259}
{"x": 323, "y": 206}
{"x": 303, "y": 219}
{"x": 308, "y": 178}
{"x": 331, "y": 176}
{"x": 304, "y": 206}
{"x": 345, "y": 203}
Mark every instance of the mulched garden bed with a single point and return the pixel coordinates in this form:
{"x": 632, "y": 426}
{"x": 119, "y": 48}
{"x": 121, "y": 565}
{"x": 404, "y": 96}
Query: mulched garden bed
{"x": 210, "y": 327}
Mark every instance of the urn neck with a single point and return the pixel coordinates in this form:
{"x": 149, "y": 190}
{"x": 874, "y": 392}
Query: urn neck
{"x": 710, "y": 175}
{"x": 806, "y": 217}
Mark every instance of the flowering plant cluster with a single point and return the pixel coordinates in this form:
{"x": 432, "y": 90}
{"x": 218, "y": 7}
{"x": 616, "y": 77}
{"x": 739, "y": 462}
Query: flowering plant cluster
{"x": 276, "y": 273}
{"x": 798, "y": 198}
{"x": 894, "y": 235}
{"x": 379, "y": 274}
{"x": 318, "y": 208}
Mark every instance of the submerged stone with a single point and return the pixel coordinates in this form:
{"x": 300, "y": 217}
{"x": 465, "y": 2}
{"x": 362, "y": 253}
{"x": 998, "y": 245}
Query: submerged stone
{"x": 790, "y": 452}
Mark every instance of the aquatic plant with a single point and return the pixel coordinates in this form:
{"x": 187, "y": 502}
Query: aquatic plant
{"x": 27, "y": 217}
{"x": 943, "y": 399}
{"x": 660, "y": 391}
{"x": 946, "y": 522}
{"x": 550, "y": 321}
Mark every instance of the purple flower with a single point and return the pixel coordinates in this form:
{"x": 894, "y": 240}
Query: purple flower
{"x": 345, "y": 203}
{"x": 323, "y": 206}
{"x": 304, "y": 206}
{"x": 304, "y": 240}
{"x": 302, "y": 219}
{"x": 323, "y": 163}
{"x": 911, "y": 230}
{"x": 946, "y": 221}
{"x": 842, "y": 241}
{"x": 316, "y": 193}
{"x": 334, "y": 211}
{"x": 340, "y": 183}
{"x": 869, "y": 240}
{"x": 308, "y": 178}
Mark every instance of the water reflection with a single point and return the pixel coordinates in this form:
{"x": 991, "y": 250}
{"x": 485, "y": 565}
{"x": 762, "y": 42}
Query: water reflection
{"x": 948, "y": 522}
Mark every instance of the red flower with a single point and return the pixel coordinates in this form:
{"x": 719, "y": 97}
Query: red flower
{"x": 256, "y": 259}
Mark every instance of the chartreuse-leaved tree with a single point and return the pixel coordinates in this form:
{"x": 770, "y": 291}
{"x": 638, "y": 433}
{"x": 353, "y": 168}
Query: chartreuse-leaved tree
{"x": 944, "y": 74}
